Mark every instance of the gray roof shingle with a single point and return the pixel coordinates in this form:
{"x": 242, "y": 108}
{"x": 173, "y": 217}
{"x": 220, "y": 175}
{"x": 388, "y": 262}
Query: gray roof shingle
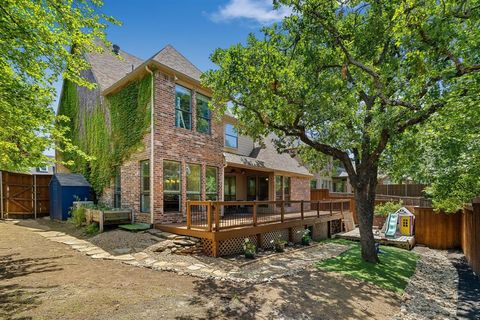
{"x": 170, "y": 57}
{"x": 108, "y": 68}
{"x": 71, "y": 180}
{"x": 268, "y": 158}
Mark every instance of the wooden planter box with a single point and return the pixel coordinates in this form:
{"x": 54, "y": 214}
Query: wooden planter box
{"x": 379, "y": 221}
{"x": 108, "y": 217}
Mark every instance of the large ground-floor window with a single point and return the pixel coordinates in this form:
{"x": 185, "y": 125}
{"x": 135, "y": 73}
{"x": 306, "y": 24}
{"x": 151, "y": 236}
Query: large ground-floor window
{"x": 171, "y": 186}
{"x": 230, "y": 188}
{"x": 282, "y": 188}
{"x": 211, "y": 183}
{"x": 194, "y": 173}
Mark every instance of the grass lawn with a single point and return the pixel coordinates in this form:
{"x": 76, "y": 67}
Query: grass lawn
{"x": 392, "y": 273}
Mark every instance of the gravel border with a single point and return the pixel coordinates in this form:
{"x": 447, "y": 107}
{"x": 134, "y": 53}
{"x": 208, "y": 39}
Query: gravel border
{"x": 432, "y": 290}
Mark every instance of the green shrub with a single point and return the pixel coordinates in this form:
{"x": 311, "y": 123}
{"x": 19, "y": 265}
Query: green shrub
{"x": 77, "y": 216}
{"x": 91, "y": 229}
{"x": 387, "y": 208}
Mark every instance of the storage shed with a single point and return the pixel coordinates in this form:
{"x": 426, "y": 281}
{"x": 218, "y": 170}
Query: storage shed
{"x": 64, "y": 189}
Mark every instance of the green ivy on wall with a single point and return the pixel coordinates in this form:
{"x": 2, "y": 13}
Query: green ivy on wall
{"x": 109, "y": 133}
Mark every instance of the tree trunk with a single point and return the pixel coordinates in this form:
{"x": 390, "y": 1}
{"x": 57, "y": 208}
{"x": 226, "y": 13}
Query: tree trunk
{"x": 365, "y": 201}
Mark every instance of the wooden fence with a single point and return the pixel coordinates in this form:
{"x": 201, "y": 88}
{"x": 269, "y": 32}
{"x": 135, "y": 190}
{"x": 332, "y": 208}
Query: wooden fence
{"x": 470, "y": 234}
{"x": 24, "y": 195}
{"x": 437, "y": 230}
{"x": 401, "y": 190}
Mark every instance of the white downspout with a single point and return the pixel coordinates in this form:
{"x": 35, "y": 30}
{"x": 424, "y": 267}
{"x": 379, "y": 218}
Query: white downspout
{"x": 152, "y": 143}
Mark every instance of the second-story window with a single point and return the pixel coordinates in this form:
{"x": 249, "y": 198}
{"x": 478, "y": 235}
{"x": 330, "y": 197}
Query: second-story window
{"x": 203, "y": 114}
{"x": 183, "y": 107}
{"x": 231, "y": 136}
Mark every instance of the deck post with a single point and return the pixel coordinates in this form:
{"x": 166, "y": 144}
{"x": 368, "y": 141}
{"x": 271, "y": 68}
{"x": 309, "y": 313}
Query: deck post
{"x": 217, "y": 216}
{"x": 341, "y": 208}
{"x": 101, "y": 220}
{"x": 301, "y": 209}
{"x": 209, "y": 216}
{"x": 189, "y": 215}
{"x": 215, "y": 244}
{"x": 318, "y": 209}
{"x": 254, "y": 213}
{"x": 282, "y": 211}
{"x": 35, "y": 196}
{"x": 331, "y": 207}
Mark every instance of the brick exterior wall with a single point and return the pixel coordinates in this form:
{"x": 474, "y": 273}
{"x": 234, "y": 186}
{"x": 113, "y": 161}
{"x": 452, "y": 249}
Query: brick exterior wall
{"x": 184, "y": 146}
{"x": 300, "y": 188}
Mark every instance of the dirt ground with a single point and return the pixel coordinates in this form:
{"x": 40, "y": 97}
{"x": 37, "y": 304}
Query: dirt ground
{"x": 41, "y": 279}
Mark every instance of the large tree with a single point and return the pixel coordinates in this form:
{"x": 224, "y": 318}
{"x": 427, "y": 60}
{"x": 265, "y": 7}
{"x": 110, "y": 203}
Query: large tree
{"x": 347, "y": 77}
{"x": 40, "y": 41}
{"x": 447, "y": 154}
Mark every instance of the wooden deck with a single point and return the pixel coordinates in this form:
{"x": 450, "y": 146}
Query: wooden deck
{"x": 405, "y": 242}
{"x": 227, "y": 223}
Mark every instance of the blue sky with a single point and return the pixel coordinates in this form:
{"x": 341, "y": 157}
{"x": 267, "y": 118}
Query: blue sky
{"x": 195, "y": 27}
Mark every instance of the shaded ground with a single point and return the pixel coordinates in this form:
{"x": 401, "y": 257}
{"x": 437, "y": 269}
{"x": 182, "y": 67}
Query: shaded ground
{"x": 114, "y": 241}
{"x": 392, "y": 273}
{"x": 42, "y": 279}
{"x": 468, "y": 305}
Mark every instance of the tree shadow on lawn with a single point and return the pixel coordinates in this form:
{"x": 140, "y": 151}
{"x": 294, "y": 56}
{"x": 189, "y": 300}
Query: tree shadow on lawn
{"x": 311, "y": 294}
{"x": 15, "y": 298}
{"x": 392, "y": 273}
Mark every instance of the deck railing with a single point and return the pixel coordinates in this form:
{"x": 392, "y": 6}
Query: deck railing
{"x": 222, "y": 215}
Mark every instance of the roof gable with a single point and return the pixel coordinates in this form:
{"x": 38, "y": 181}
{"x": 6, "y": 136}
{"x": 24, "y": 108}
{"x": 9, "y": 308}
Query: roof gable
{"x": 171, "y": 58}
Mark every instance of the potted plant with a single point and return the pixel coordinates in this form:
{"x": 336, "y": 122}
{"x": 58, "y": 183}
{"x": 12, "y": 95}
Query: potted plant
{"x": 279, "y": 245}
{"x": 250, "y": 249}
{"x": 306, "y": 239}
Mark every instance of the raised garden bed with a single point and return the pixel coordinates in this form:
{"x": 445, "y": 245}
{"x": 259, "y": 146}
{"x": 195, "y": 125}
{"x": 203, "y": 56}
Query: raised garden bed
{"x": 108, "y": 217}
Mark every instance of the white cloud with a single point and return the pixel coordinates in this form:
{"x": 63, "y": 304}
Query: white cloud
{"x": 259, "y": 10}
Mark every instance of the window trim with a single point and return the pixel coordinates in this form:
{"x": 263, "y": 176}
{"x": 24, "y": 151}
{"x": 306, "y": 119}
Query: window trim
{"x": 199, "y": 116}
{"x": 142, "y": 190}
{"x": 43, "y": 169}
{"x": 179, "y": 109}
{"x": 174, "y": 192}
{"x": 229, "y": 135}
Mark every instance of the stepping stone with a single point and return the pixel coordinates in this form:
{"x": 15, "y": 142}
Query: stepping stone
{"x": 87, "y": 248}
{"x": 63, "y": 239}
{"x": 105, "y": 255}
{"x": 78, "y": 247}
{"x": 140, "y": 256}
{"x": 125, "y": 257}
{"x": 49, "y": 234}
{"x": 194, "y": 267}
{"x": 183, "y": 242}
{"x": 160, "y": 264}
{"x": 122, "y": 250}
{"x": 148, "y": 261}
{"x": 94, "y": 252}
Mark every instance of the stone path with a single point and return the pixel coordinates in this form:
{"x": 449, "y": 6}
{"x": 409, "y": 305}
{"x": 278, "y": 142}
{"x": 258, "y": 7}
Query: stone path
{"x": 432, "y": 290}
{"x": 259, "y": 270}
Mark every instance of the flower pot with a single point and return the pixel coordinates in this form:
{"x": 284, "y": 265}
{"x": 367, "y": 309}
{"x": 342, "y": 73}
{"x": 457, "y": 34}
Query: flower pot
{"x": 280, "y": 247}
{"x": 249, "y": 255}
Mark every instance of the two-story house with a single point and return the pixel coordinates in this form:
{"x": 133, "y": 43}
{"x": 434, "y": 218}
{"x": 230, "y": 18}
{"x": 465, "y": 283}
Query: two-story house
{"x": 187, "y": 154}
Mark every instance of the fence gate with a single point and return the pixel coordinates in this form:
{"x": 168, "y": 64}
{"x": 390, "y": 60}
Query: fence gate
{"x": 23, "y": 195}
